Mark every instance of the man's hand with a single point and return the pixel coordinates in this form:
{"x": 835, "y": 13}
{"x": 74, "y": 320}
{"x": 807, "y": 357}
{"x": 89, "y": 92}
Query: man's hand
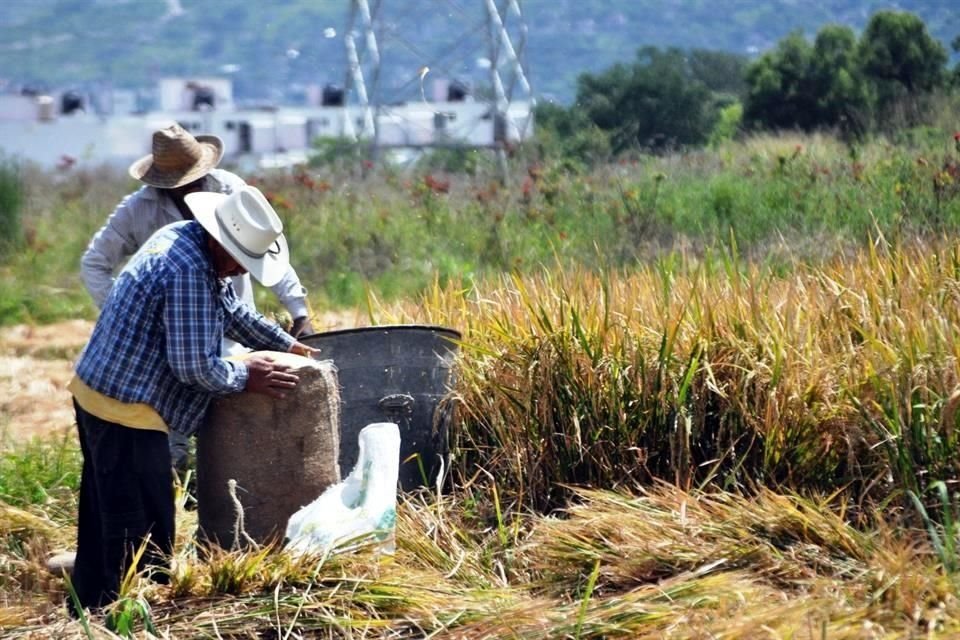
{"x": 301, "y": 326}
{"x": 267, "y": 377}
{"x": 303, "y": 350}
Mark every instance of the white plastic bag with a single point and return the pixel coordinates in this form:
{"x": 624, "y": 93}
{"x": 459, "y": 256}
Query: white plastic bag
{"x": 364, "y": 505}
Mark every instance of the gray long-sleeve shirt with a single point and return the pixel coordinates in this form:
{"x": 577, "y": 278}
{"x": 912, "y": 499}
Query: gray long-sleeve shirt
{"x": 136, "y": 218}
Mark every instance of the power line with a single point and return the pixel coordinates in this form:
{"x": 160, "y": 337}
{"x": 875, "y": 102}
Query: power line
{"x": 370, "y": 45}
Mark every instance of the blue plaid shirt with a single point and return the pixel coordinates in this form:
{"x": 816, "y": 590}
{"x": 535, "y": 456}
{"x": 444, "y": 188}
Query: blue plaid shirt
{"x": 158, "y": 338}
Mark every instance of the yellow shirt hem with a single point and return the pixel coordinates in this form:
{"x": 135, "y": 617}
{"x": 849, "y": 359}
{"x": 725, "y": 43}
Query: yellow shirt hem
{"x": 135, "y": 415}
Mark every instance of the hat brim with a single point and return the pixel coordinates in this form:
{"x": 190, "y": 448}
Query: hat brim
{"x": 267, "y": 270}
{"x": 145, "y": 171}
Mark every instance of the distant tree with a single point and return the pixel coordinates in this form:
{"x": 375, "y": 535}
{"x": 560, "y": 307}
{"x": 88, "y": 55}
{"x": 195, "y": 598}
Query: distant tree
{"x": 728, "y": 124}
{"x": 722, "y": 72}
{"x": 569, "y": 133}
{"x": 843, "y": 100}
{"x": 601, "y": 96}
{"x": 884, "y": 79}
{"x": 902, "y": 63}
{"x": 655, "y": 103}
{"x": 955, "y": 74}
{"x": 897, "y": 49}
{"x": 780, "y": 91}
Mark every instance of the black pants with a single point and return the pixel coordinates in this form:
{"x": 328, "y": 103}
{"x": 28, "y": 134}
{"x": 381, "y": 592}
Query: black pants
{"x": 126, "y": 495}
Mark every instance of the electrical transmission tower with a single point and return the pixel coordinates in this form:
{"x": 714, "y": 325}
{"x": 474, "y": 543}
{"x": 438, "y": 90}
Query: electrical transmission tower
{"x": 489, "y": 35}
{"x": 360, "y": 13}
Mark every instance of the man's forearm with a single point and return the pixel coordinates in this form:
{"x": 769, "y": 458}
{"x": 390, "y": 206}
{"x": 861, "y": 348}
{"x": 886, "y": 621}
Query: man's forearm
{"x": 251, "y": 329}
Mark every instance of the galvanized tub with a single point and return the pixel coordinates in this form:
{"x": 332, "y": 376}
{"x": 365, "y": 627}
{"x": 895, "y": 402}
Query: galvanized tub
{"x": 394, "y": 373}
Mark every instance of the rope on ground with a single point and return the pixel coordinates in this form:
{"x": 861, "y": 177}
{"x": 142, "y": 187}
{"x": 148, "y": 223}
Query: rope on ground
{"x": 238, "y": 528}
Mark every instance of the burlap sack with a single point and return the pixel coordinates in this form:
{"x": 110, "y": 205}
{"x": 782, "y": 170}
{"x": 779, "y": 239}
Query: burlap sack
{"x": 267, "y": 455}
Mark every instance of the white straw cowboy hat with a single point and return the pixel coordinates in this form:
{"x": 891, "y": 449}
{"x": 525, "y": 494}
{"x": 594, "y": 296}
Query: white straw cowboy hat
{"x": 178, "y": 158}
{"x": 246, "y": 226}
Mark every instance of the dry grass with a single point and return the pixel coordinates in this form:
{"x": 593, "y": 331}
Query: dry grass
{"x": 661, "y": 562}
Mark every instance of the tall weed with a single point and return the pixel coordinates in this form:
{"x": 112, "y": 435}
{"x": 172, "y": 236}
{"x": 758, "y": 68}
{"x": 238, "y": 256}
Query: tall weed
{"x": 11, "y": 205}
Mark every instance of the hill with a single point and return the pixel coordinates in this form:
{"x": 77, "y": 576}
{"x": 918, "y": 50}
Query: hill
{"x": 274, "y": 46}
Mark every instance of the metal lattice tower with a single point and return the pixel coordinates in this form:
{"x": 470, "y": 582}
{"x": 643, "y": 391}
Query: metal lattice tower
{"x": 499, "y": 40}
{"x": 498, "y": 32}
{"x": 360, "y": 12}
{"x": 501, "y": 43}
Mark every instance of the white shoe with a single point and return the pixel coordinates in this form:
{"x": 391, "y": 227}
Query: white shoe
{"x": 62, "y": 563}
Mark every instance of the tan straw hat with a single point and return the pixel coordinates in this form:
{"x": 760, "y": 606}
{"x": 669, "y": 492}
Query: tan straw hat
{"x": 246, "y": 226}
{"x": 178, "y": 158}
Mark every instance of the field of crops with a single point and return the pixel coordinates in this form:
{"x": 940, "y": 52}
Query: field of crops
{"x": 702, "y": 395}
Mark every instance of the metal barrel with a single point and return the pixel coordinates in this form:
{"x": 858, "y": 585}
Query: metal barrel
{"x": 394, "y": 373}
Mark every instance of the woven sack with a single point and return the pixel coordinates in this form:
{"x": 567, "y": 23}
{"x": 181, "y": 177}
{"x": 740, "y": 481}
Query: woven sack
{"x": 259, "y": 459}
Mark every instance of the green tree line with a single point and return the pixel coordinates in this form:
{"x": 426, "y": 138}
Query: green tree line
{"x": 881, "y": 81}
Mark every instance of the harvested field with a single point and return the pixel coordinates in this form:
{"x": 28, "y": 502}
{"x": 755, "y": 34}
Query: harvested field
{"x": 35, "y": 365}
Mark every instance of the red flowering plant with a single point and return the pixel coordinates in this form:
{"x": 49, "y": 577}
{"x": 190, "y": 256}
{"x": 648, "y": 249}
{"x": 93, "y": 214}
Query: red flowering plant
{"x": 946, "y": 181}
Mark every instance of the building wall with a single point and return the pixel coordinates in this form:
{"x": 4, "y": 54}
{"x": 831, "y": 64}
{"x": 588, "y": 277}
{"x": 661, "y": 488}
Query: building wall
{"x": 120, "y": 139}
{"x": 175, "y": 96}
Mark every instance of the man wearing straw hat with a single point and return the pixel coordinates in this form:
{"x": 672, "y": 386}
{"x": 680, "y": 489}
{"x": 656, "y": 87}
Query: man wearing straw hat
{"x": 179, "y": 164}
{"x": 152, "y": 366}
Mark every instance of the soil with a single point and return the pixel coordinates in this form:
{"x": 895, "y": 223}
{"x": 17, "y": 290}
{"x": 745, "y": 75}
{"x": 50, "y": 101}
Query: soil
{"x": 35, "y": 366}
{"x": 36, "y": 363}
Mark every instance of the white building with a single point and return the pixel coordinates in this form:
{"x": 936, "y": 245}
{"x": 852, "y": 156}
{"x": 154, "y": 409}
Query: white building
{"x": 36, "y": 128}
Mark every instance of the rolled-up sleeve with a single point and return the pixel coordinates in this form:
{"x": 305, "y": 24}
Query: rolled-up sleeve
{"x": 193, "y": 334}
{"x": 248, "y": 327}
{"x": 291, "y": 293}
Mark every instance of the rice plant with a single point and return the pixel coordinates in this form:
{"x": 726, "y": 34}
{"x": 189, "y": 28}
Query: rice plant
{"x": 711, "y": 371}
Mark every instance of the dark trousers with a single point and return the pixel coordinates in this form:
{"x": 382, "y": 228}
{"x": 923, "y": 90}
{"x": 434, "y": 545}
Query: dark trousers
{"x": 126, "y": 496}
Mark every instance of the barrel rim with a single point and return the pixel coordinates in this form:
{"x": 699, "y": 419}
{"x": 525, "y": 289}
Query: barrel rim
{"x": 382, "y": 328}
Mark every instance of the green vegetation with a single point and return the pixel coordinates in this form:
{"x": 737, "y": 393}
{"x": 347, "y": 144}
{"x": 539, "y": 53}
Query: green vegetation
{"x": 40, "y": 281}
{"x": 883, "y": 81}
{"x": 886, "y": 81}
{"x": 31, "y": 472}
{"x": 663, "y": 101}
{"x": 659, "y": 102}
{"x": 808, "y": 87}
{"x": 11, "y": 203}
{"x": 392, "y": 234}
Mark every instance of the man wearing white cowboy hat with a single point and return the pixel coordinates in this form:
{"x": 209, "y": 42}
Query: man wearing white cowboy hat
{"x": 152, "y": 366}
{"x": 180, "y": 164}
